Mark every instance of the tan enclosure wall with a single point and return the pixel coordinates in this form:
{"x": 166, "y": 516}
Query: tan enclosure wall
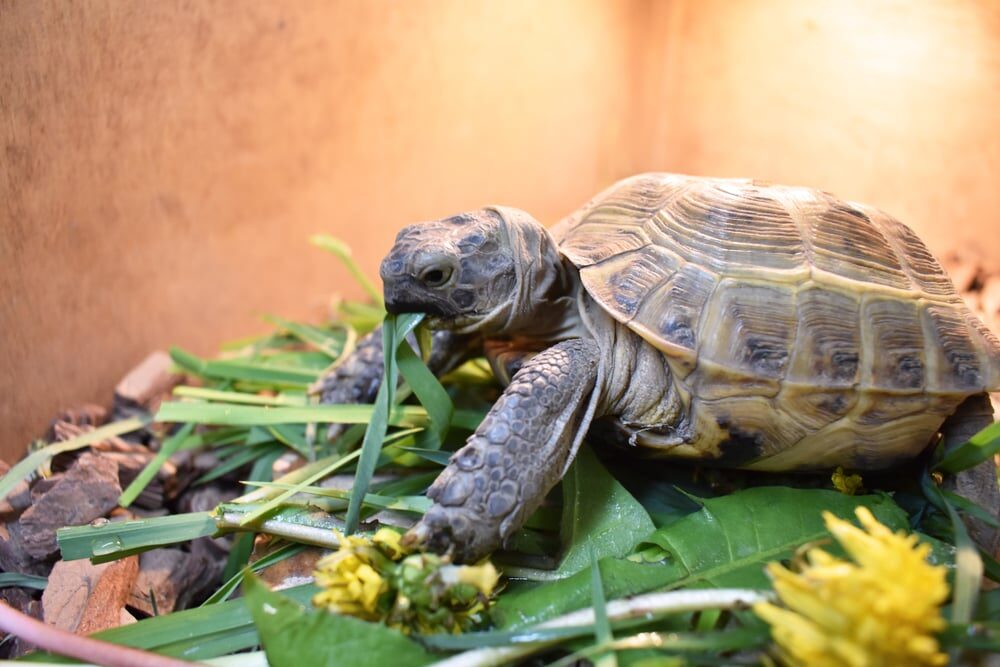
{"x": 164, "y": 162}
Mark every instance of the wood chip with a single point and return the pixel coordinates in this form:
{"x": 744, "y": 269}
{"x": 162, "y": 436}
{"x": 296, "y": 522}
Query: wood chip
{"x": 84, "y": 598}
{"x": 148, "y": 383}
{"x": 294, "y": 571}
{"x": 88, "y": 490}
{"x": 168, "y": 576}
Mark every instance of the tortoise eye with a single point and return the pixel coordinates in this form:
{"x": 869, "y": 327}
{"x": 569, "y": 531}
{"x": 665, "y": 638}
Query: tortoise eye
{"x": 435, "y": 276}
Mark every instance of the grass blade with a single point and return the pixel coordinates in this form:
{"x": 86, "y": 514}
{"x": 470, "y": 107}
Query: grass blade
{"x": 429, "y": 392}
{"x": 222, "y": 396}
{"x": 32, "y": 462}
{"x": 978, "y": 448}
{"x": 314, "y": 336}
{"x": 341, "y": 251}
{"x": 415, "y": 504}
{"x": 119, "y": 538}
{"x": 968, "y": 564}
{"x": 250, "y": 371}
{"x": 371, "y": 446}
{"x": 602, "y": 626}
{"x": 273, "y": 503}
{"x": 9, "y": 579}
{"x": 276, "y": 556}
{"x": 167, "y": 449}
{"x": 251, "y": 415}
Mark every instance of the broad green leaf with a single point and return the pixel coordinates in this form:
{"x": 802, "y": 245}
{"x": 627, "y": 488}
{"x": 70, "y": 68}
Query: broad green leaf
{"x": 599, "y": 514}
{"x": 295, "y": 636}
{"x": 725, "y": 544}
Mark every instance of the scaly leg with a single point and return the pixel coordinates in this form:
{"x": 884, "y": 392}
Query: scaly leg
{"x": 357, "y": 379}
{"x": 519, "y": 452}
{"x": 978, "y": 484}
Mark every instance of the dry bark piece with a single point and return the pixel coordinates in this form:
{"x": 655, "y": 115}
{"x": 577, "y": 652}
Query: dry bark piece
{"x": 13, "y": 557}
{"x": 295, "y": 570}
{"x": 170, "y": 576}
{"x": 84, "y": 598}
{"x": 148, "y": 383}
{"x": 88, "y": 490}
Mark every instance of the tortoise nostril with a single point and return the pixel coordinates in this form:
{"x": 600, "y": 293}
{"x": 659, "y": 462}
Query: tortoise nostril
{"x": 435, "y": 275}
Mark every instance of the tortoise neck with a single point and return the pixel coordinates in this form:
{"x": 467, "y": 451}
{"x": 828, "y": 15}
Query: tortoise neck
{"x": 544, "y": 299}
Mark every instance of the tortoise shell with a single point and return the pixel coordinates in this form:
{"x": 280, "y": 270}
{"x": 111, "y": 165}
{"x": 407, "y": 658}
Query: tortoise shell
{"x": 831, "y": 315}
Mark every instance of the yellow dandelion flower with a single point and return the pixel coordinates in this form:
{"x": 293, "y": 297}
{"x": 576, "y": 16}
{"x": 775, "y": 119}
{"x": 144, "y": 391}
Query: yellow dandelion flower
{"x": 846, "y": 484}
{"x": 388, "y": 541}
{"x": 483, "y": 577}
{"x": 882, "y": 609}
{"x": 350, "y": 581}
{"x": 374, "y": 579}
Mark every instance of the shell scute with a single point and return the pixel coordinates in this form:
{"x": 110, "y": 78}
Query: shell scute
{"x": 745, "y": 287}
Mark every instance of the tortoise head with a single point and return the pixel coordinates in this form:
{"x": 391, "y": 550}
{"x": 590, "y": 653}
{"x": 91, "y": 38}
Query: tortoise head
{"x": 471, "y": 272}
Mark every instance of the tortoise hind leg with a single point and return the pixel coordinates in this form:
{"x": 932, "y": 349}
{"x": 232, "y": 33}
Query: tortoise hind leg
{"x": 978, "y": 484}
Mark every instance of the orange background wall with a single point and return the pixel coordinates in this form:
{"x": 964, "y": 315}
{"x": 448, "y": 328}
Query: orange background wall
{"x": 164, "y": 163}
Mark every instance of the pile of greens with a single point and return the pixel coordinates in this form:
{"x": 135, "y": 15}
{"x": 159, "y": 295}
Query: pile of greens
{"x": 611, "y": 530}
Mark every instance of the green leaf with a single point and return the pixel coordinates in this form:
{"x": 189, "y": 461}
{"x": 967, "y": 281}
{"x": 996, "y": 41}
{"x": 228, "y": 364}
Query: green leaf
{"x": 104, "y": 542}
{"x": 598, "y": 514}
{"x": 294, "y": 636}
{"x": 33, "y": 461}
{"x": 725, "y": 544}
{"x": 983, "y": 445}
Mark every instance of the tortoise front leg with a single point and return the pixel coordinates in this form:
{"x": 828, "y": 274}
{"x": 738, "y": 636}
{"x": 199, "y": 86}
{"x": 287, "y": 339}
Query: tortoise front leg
{"x": 519, "y": 452}
{"x": 357, "y": 379}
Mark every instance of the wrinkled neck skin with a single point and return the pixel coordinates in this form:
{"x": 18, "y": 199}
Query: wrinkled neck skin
{"x": 543, "y": 305}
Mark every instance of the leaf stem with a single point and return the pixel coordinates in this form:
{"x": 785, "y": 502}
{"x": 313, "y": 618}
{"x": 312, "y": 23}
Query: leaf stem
{"x": 651, "y": 604}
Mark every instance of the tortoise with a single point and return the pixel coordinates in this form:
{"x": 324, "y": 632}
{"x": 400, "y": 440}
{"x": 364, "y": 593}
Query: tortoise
{"x": 726, "y": 321}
